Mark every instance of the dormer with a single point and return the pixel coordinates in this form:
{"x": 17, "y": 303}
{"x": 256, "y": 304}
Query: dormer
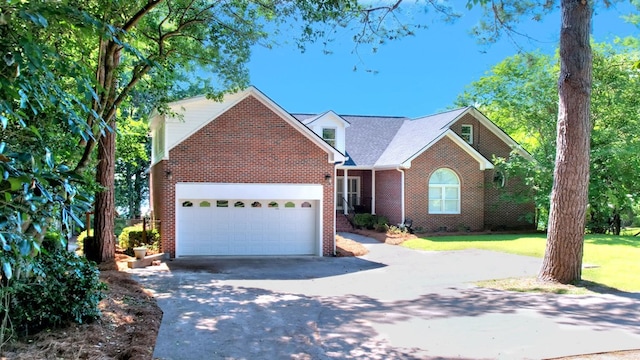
{"x": 330, "y": 127}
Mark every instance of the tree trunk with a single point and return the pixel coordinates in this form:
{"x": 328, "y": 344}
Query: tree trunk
{"x": 616, "y": 223}
{"x": 569, "y": 196}
{"x": 104, "y": 224}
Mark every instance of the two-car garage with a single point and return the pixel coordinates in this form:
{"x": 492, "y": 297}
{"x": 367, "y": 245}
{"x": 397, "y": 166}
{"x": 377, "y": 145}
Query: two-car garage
{"x": 248, "y": 219}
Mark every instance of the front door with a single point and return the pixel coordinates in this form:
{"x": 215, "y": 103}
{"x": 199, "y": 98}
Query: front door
{"x": 353, "y": 191}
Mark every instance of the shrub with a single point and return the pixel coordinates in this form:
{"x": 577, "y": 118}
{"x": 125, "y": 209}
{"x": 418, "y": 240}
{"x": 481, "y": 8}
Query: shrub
{"x": 382, "y": 227}
{"x": 381, "y": 220}
{"x": 370, "y": 221}
{"x": 363, "y": 221}
{"x": 131, "y": 237}
{"x": 62, "y": 287}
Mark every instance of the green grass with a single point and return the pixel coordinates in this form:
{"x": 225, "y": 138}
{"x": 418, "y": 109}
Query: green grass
{"x": 617, "y": 257}
{"x": 629, "y": 231}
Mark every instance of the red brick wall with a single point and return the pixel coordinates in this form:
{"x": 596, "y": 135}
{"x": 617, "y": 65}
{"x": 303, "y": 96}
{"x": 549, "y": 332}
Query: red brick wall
{"x": 445, "y": 154}
{"x": 247, "y": 144}
{"x": 500, "y": 213}
{"x": 388, "y": 195}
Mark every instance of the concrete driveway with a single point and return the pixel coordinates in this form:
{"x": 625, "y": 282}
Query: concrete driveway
{"x": 393, "y": 303}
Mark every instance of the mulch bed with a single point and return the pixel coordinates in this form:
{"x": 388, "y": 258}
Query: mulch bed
{"x": 127, "y": 330}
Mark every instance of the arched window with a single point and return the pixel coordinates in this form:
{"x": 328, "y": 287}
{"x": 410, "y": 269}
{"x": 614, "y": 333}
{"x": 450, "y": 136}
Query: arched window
{"x": 273, "y": 204}
{"x": 289, "y": 204}
{"x": 238, "y": 204}
{"x": 256, "y": 204}
{"x": 499, "y": 179}
{"x": 305, "y": 205}
{"x": 444, "y": 192}
{"x": 205, "y": 204}
{"x": 187, "y": 204}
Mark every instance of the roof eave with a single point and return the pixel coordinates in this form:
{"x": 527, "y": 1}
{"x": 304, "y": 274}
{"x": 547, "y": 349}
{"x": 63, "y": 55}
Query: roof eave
{"x": 483, "y": 162}
{"x": 496, "y": 130}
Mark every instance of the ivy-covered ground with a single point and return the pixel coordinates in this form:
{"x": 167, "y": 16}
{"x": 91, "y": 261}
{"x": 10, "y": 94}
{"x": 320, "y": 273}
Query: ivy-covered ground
{"x": 127, "y": 329}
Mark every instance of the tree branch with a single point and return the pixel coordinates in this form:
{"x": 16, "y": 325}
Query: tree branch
{"x": 140, "y": 14}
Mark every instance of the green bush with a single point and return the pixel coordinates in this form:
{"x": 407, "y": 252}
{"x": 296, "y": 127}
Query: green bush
{"x": 381, "y": 227}
{"x": 369, "y": 221}
{"x": 364, "y": 221}
{"x": 63, "y": 287}
{"x": 131, "y": 237}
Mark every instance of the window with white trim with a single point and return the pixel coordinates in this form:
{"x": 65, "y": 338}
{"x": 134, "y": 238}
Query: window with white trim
{"x": 329, "y": 135}
{"x": 444, "y": 192}
{"x": 466, "y": 132}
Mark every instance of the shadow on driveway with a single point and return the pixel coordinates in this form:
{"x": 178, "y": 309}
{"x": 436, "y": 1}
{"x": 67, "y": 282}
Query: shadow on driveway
{"x": 208, "y": 319}
{"x": 272, "y": 268}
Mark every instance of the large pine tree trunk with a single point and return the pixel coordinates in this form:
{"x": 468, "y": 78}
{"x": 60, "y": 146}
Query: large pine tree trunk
{"x": 104, "y": 225}
{"x": 569, "y": 197}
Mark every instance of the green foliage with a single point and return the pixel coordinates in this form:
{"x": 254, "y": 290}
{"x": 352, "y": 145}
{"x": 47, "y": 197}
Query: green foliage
{"x": 131, "y": 237}
{"x": 120, "y": 224}
{"x": 133, "y": 146}
{"x": 369, "y": 221}
{"x": 519, "y": 95}
{"x": 62, "y": 287}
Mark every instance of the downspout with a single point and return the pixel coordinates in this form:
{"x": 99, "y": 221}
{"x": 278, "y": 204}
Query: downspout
{"x": 373, "y": 191}
{"x": 401, "y": 194}
{"x": 335, "y": 195}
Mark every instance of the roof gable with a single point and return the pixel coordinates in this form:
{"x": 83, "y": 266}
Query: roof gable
{"x": 496, "y": 130}
{"x": 415, "y": 136}
{"x": 195, "y": 113}
{"x": 326, "y": 118}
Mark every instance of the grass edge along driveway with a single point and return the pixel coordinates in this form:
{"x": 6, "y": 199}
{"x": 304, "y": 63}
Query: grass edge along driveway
{"x": 613, "y": 261}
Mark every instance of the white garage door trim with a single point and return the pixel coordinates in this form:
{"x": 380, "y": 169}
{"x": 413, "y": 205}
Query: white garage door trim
{"x": 248, "y": 192}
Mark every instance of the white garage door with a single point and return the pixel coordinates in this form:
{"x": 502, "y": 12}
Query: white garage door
{"x": 214, "y": 224}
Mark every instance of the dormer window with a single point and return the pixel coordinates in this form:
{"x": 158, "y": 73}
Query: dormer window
{"x": 329, "y": 135}
{"x": 467, "y": 133}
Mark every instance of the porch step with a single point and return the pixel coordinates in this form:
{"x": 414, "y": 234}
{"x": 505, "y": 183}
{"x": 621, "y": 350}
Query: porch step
{"x": 342, "y": 224}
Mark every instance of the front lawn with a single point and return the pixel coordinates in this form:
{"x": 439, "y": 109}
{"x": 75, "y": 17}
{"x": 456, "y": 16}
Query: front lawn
{"x": 616, "y": 259}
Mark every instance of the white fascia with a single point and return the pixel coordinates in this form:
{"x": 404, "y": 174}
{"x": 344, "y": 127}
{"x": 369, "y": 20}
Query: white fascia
{"x": 482, "y": 161}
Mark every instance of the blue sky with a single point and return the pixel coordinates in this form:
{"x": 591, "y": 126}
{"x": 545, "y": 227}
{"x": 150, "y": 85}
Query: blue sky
{"x": 415, "y": 76}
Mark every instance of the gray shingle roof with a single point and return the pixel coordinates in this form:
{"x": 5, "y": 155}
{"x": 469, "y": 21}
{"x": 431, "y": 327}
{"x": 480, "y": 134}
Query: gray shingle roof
{"x": 387, "y": 140}
{"x": 415, "y": 135}
{"x": 369, "y": 136}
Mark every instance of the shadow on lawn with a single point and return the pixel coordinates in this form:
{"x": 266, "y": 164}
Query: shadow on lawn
{"x": 632, "y": 241}
{"x": 604, "y": 289}
{"x": 532, "y": 285}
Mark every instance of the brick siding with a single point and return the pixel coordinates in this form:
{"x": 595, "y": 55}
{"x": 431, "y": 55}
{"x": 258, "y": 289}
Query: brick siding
{"x": 445, "y": 154}
{"x": 500, "y": 213}
{"x": 247, "y": 144}
{"x": 388, "y": 195}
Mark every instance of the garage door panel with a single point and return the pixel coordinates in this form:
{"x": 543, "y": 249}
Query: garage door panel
{"x": 288, "y": 229}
